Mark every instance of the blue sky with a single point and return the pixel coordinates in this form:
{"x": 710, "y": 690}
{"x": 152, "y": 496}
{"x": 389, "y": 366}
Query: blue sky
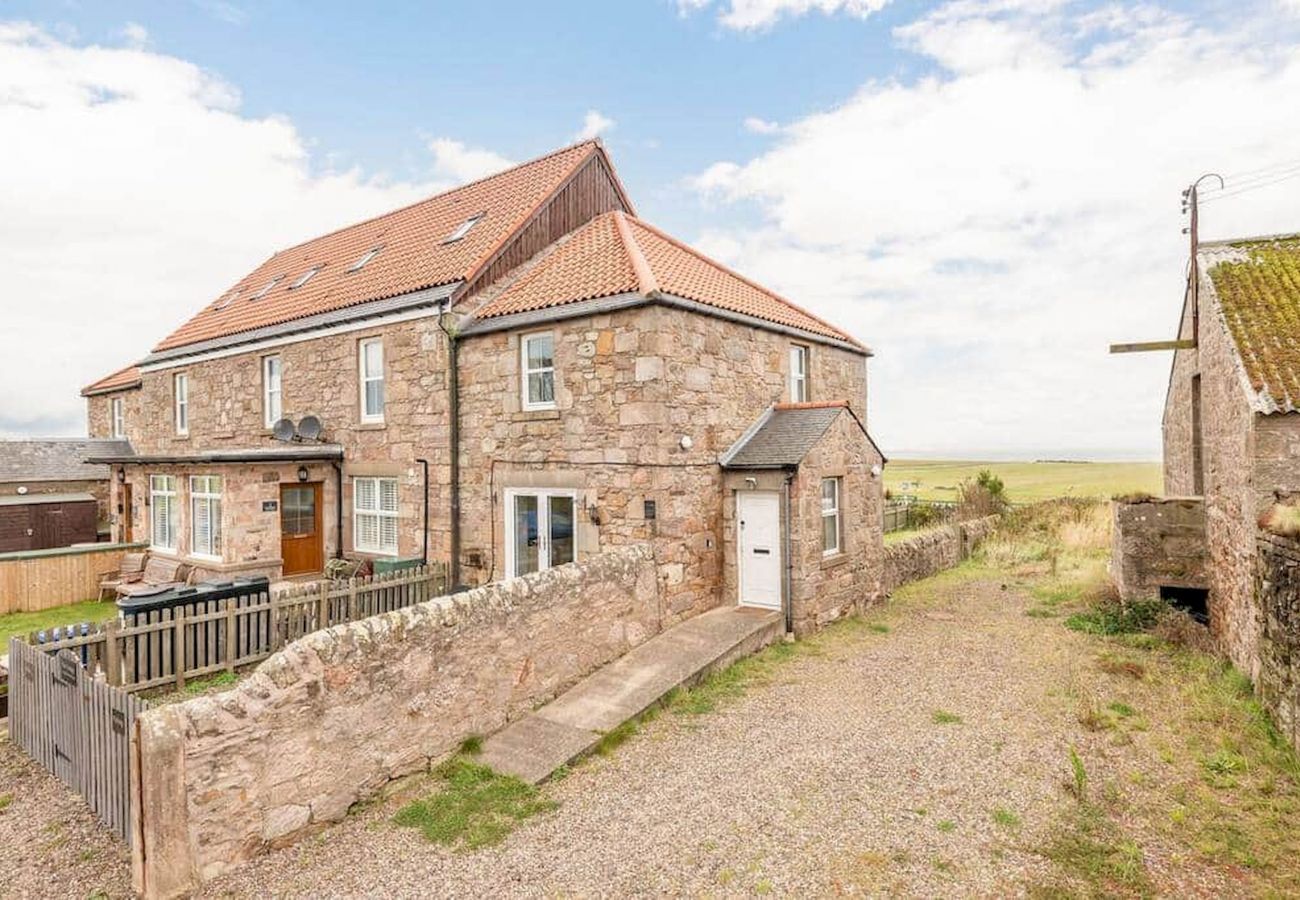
{"x": 984, "y": 191}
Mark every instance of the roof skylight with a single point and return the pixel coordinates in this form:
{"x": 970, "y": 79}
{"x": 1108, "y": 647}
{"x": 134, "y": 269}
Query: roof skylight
{"x": 264, "y": 291}
{"x": 463, "y": 228}
{"x": 305, "y": 277}
{"x": 226, "y": 300}
{"x": 365, "y": 258}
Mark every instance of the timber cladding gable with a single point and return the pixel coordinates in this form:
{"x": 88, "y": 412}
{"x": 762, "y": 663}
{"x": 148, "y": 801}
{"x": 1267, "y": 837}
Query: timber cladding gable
{"x": 592, "y": 189}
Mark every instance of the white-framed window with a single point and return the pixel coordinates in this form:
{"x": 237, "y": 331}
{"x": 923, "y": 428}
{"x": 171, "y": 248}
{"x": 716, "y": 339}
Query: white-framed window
{"x": 540, "y": 529}
{"x": 272, "y": 410}
{"x": 304, "y": 277}
{"x": 364, "y": 258}
{"x": 205, "y": 515}
{"x": 181, "y": 391}
{"x": 370, "y": 362}
{"x": 119, "y": 417}
{"x": 798, "y": 373}
{"x": 162, "y": 512}
{"x": 374, "y": 515}
{"x": 463, "y": 228}
{"x": 537, "y": 362}
{"x": 265, "y": 290}
{"x": 831, "y": 531}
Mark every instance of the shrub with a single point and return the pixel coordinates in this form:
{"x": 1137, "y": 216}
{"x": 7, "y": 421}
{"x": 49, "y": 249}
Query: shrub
{"x": 1109, "y": 615}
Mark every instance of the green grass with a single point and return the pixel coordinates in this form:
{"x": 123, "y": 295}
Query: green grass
{"x": 1005, "y": 818}
{"x": 1025, "y": 481}
{"x": 5, "y": 801}
{"x": 1090, "y": 847}
{"x": 943, "y": 717}
{"x": 947, "y": 826}
{"x": 476, "y": 806}
{"x": 23, "y": 623}
{"x": 1117, "y": 618}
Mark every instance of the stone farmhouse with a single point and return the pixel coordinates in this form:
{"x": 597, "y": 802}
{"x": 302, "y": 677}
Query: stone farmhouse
{"x": 1232, "y": 416}
{"x": 506, "y": 377}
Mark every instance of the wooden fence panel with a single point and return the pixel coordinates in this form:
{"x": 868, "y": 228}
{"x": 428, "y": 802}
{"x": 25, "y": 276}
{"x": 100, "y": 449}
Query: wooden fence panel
{"x": 34, "y": 580}
{"x": 168, "y": 646}
{"x": 75, "y": 726}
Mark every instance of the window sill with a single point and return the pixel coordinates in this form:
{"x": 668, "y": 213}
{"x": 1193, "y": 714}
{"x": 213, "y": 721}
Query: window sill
{"x": 373, "y": 425}
{"x": 374, "y": 554}
{"x": 534, "y": 415}
{"x": 832, "y": 560}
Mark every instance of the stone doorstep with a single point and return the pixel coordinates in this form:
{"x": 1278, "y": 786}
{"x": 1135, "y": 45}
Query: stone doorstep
{"x": 573, "y": 724}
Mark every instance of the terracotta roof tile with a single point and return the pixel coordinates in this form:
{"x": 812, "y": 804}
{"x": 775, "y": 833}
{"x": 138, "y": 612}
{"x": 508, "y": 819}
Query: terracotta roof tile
{"x": 413, "y": 254}
{"x": 615, "y": 254}
{"x": 128, "y": 377}
{"x": 1257, "y": 283}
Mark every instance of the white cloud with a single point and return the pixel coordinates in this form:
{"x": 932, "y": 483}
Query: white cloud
{"x": 755, "y": 125}
{"x": 594, "y": 124}
{"x": 753, "y": 15}
{"x": 989, "y": 228}
{"x": 135, "y": 35}
{"x": 454, "y": 163}
{"x": 132, "y": 191}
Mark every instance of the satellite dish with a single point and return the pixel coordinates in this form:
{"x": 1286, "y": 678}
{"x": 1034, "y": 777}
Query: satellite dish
{"x": 283, "y": 430}
{"x": 309, "y": 428}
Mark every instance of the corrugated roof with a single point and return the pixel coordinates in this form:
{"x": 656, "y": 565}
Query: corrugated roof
{"x": 1257, "y": 285}
{"x": 56, "y": 460}
{"x": 618, "y": 254}
{"x": 413, "y": 251}
{"x": 782, "y": 437}
{"x": 128, "y": 377}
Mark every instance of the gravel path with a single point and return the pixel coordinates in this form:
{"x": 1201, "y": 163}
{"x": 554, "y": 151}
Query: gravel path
{"x": 833, "y": 777}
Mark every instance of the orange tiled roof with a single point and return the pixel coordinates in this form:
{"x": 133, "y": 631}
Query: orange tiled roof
{"x": 1257, "y": 283}
{"x": 618, "y": 254}
{"x": 413, "y": 255}
{"x": 122, "y": 378}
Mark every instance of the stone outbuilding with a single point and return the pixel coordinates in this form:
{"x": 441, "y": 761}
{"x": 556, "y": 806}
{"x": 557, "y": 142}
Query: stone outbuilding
{"x": 50, "y": 496}
{"x": 1232, "y": 415}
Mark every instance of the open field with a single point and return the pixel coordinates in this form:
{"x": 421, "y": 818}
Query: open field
{"x": 21, "y": 623}
{"x": 1025, "y": 481}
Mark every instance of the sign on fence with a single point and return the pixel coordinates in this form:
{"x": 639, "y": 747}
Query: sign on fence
{"x": 75, "y": 726}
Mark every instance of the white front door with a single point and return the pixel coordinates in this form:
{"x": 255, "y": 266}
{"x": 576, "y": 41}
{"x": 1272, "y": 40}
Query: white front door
{"x": 759, "y": 516}
{"x": 540, "y": 530}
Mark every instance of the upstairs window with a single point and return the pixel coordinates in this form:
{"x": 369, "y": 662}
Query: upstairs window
{"x": 162, "y": 512}
{"x": 205, "y": 515}
{"x": 798, "y": 373}
{"x": 830, "y": 516}
{"x": 264, "y": 291}
{"x": 538, "y": 366}
{"x": 463, "y": 229}
{"x": 304, "y": 277}
{"x": 181, "y": 392}
{"x": 272, "y": 409}
{"x": 374, "y": 515}
{"x": 119, "y": 418}
{"x": 371, "y": 365}
{"x": 365, "y": 258}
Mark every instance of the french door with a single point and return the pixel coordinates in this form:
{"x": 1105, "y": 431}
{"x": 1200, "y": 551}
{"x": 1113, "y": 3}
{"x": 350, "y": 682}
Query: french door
{"x": 540, "y": 529}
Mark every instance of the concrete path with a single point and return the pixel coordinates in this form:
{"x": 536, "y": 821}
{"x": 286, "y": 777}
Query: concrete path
{"x": 574, "y": 723}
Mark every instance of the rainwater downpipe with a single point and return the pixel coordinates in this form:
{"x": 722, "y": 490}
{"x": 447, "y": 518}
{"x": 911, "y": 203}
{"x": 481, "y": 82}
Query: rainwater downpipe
{"x": 788, "y": 575}
{"x": 338, "y": 509}
{"x": 424, "y": 549}
{"x": 453, "y": 437}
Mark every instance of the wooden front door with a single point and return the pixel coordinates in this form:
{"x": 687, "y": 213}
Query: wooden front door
{"x": 302, "y": 544}
{"x": 124, "y": 512}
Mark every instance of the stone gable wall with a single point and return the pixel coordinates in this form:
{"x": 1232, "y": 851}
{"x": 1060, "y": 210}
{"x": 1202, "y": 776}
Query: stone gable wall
{"x": 329, "y": 720}
{"x": 933, "y": 551}
{"x": 99, "y": 413}
{"x": 1231, "y": 499}
{"x": 1158, "y": 542}
{"x": 826, "y": 588}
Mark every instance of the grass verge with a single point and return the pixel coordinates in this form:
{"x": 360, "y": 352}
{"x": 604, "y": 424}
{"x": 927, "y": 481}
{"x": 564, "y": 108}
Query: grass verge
{"x": 23, "y": 623}
{"x": 476, "y": 806}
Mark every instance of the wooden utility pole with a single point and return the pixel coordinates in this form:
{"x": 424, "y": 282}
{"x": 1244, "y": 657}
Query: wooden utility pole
{"x": 1191, "y": 205}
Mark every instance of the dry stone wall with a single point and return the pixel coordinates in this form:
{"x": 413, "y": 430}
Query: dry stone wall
{"x": 333, "y": 717}
{"x": 933, "y": 551}
{"x": 1277, "y": 590}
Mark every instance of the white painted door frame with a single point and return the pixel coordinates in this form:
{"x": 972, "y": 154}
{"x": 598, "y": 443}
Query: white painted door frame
{"x": 543, "y": 496}
{"x": 758, "y": 549}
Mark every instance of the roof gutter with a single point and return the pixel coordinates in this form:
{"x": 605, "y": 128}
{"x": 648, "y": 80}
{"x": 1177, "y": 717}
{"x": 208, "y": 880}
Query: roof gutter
{"x": 317, "y": 452}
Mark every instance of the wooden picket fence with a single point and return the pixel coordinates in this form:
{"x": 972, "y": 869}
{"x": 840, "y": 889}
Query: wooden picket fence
{"x": 148, "y": 650}
{"x": 76, "y": 726}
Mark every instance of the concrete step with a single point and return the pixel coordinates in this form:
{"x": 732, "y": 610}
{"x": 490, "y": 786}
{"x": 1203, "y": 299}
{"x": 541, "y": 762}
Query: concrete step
{"x": 572, "y": 724}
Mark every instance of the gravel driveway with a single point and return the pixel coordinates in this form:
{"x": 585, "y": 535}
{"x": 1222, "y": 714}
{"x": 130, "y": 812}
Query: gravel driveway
{"x": 835, "y": 776}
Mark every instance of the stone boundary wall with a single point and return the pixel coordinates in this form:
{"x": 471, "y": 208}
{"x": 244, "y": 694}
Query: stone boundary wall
{"x": 933, "y": 551}
{"x": 1277, "y": 614}
{"x": 332, "y": 718}
{"x": 1158, "y": 542}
